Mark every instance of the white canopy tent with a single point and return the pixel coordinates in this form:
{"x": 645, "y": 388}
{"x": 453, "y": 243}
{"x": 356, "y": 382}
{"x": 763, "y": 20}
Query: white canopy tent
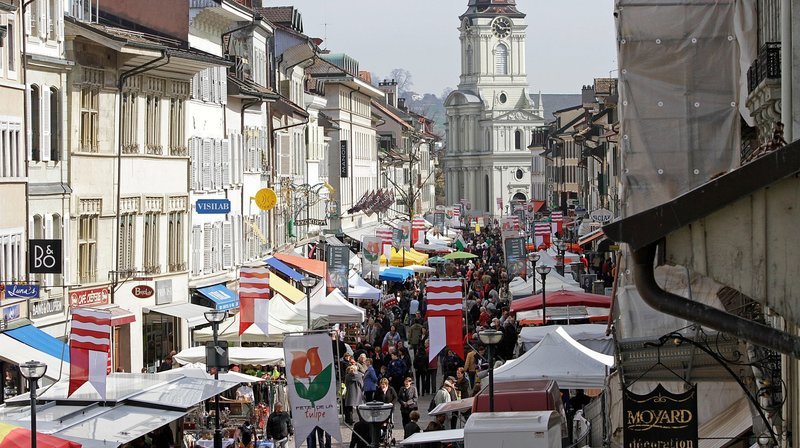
{"x": 358, "y": 288}
{"x": 558, "y": 357}
{"x": 279, "y": 311}
{"x": 334, "y": 309}
{"x": 592, "y": 336}
{"x": 267, "y": 356}
{"x": 198, "y": 370}
{"x": 520, "y": 288}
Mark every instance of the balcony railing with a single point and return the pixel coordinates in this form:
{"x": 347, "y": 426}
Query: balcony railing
{"x": 767, "y": 66}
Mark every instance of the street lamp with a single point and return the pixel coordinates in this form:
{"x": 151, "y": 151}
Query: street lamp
{"x": 561, "y": 245}
{"x": 308, "y": 283}
{"x": 33, "y": 370}
{"x": 490, "y": 338}
{"x": 533, "y": 257}
{"x": 543, "y": 270}
{"x": 375, "y": 413}
{"x": 215, "y": 317}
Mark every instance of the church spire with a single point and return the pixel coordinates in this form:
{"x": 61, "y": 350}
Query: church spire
{"x": 540, "y": 106}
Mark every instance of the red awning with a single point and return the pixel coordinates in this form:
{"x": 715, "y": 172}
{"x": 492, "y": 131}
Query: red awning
{"x": 314, "y": 267}
{"x": 591, "y": 236}
{"x": 561, "y": 298}
{"x": 537, "y": 205}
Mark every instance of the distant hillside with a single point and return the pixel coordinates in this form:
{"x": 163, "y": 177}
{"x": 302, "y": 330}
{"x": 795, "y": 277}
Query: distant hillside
{"x": 432, "y": 106}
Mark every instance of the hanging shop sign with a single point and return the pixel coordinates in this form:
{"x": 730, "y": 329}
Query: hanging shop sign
{"x": 439, "y": 222}
{"x": 266, "y": 199}
{"x": 89, "y": 297}
{"x": 338, "y": 260}
{"x": 142, "y": 291}
{"x": 44, "y": 256}
{"x": 21, "y": 291}
{"x": 163, "y": 292}
{"x": 601, "y": 215}
{"x": 213, "y": 206}
{"x": 516, "y": 261}
{"x": 660, "y": 418}
{"x": 343, "y": 159}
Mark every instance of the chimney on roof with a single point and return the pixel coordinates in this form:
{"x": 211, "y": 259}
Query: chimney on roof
{"x": 588, "y": 97}
{"x": 401, "y": 104}
{"x": 389, "y": 89}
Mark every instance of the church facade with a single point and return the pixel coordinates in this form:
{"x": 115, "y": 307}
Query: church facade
{"x": 491, "y": 116}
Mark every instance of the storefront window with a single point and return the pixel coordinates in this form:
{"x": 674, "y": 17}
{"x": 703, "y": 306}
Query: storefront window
{"x": 10, "y": 380}
{"x": 160, "y": 338}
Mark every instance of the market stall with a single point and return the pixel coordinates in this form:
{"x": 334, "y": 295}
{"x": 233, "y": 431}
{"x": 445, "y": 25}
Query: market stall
{"x": 358, "y": 288}
{"x": 593, "y": 336}
{"x": 265, "y": 356}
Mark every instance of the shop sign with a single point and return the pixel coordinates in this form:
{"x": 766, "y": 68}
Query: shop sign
{"x": 48, "y": 307}
{"x": 11, "y": 312}
{"x": 338, "y": 261}
{"x": 601, "y": 215}
{"x": 343, "y": 159}
{"x": 163, "y": 292}
{"x": 90, "y": 297}
{"x": 213, "y": 206}
{"x": 44, "y": 256}
{"x": 22, "y": 292}
{"x": 660, "y": 418}
{"x": 142, "y": 291}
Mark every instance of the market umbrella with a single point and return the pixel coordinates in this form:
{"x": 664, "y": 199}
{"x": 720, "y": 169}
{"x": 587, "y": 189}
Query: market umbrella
{"x": 459, "y": 255}
{"x": 437, "y": 260}
{"x": 16, "y": 437}
{"x": 421, "y": 269}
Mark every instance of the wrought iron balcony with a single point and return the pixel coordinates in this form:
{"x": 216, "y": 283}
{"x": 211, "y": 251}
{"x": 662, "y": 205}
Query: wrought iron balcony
{"x": 766, "y": 66}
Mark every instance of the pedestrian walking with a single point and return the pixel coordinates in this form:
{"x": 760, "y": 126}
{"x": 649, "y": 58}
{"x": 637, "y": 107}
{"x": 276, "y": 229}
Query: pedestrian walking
{"x": 407, "y": 398}
{"x": 354, "y": 392}
{"x": 279, "y": 426}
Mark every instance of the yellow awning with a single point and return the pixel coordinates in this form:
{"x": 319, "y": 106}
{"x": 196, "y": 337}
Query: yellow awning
{"x": 283, "y": 288}
{"x": 411, "y": 257}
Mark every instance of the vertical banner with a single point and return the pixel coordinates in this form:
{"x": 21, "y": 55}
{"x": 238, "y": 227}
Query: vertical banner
{"x": 542, "y": 234}
{"x": 456, "y": 211}
{"x": 338, "y": 260}
{"x": 516, "y": 263}
{"x": 660, "y": 418}
{"x": 89, "y": 347}
{"x": 254, "y": 295}
{"x": 444, "y": 313}
{"x": 311, "y": 385}
{"x": 386, "y": 234}
{"x": 438, "y": 222}
{"x": 405, "y": 234}
{"x": 343, "y": 167}
{"x": 520, "y": 213}
{"x": 371, "y": 248}
{"x": 417, "y": 230}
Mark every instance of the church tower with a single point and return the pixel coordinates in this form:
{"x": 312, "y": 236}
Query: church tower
{"x": 491, "y": 116}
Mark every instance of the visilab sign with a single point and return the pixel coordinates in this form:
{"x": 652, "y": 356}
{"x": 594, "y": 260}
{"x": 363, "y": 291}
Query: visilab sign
{"x": 213, "y": 206}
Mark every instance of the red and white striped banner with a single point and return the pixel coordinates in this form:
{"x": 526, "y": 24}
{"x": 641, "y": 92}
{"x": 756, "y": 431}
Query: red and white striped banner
{"x": 417, "y": 230}
{"x": 89, "y": 345}
{"x": 254, "y": 295}
{"x": 444, "y": 313}
{"x": 541, "y": 233}
{"x": 558, "y": 220}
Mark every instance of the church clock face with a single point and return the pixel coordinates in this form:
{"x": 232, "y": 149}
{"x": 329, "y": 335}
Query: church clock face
{"x": 501, "y": 27}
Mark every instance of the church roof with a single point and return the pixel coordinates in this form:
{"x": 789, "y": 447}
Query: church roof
{"x": 492, "y": 8}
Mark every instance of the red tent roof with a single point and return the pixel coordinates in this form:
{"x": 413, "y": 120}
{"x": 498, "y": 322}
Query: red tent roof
{"x": 314, "y": 267}
{"x": 561, "y": 298}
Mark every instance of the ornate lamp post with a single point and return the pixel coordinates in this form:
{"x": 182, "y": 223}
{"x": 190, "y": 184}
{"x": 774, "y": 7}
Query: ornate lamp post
{"x": 33, "y": 370}
{"x": 308, "y": 283}
{"x": 375, "y": 413}
{"x": 490, "y": 338}
{"x": 543, "y": 270}
{"x": 215, "y": 317}
{"x": 533, "y": 257}
{"x": 561, "y": 245}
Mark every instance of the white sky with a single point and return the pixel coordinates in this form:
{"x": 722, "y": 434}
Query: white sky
{"x": 570, "y": 42}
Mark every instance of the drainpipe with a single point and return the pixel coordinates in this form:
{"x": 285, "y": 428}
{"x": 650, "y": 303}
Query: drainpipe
{"x": 786, "y": 70}
{"x": 666, "y": 302}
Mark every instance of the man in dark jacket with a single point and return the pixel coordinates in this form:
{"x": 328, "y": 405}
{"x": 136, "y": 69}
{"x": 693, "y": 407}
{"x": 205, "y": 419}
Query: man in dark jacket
{"x": 279, "y": 426}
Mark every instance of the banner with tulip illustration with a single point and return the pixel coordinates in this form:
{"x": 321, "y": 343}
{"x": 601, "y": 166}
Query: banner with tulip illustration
{"x": 311, "y": 384}
{"x": 371, "y": 249}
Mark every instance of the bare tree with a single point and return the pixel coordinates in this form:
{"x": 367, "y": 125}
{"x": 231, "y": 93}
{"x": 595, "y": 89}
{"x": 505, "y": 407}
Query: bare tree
{"x": 403, "y": 78}
{"x": 446, "y": 92}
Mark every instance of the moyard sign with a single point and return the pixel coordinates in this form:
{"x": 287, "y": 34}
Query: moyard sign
{"x": 601, "y": 215}
{"x": 660, "y": 418}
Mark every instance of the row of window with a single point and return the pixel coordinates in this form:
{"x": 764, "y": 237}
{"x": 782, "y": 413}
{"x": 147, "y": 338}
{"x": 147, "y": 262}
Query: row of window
{"x": 12, "y": 265}
{"x": 12, "y": 155}
{"x": 45, "y": 19}
{"x": 501, "y": 60}
{"x": 213, "y": 244}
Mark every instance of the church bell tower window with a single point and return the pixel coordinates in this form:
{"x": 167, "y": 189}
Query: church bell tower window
{"x": 501, "y": 59}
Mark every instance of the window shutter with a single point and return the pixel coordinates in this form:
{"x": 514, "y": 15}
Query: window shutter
{"x": 193, "y": 163}
{"x": 29, "y": 20}
{"x": 207, "y": 247}
{"x": 226, "y": 163}
{"x": 59, "y": 20}
{"x": 227, "y": 245}
{"x": 208, "y": 155}
{"x": 206, "y": 74}
{"x": 236, "y": 244}
{"x": 197, "y": 250}
{"x": 285, "y": 152}
{"x": 217, "y": 164}
{"x": 44, "y": 121}
{"x": 29, "y": 131}
{"x": 223, "y": 85}
{"x": 42, "y": 10}
{"x": 216, "y": 246}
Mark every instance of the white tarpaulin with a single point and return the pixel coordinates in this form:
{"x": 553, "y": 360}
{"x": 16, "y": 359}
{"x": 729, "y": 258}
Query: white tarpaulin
{"x": 265, "y": 356}
{"x": 333, "y": 309}
{"x": 229, "y": 329}
{"x": 592, "y": 336}
{"x": 520, "y": 288}
{"x": 358, "y": 288}
{"x": 558, "y": 357}
{"x": 311, "y": 385}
